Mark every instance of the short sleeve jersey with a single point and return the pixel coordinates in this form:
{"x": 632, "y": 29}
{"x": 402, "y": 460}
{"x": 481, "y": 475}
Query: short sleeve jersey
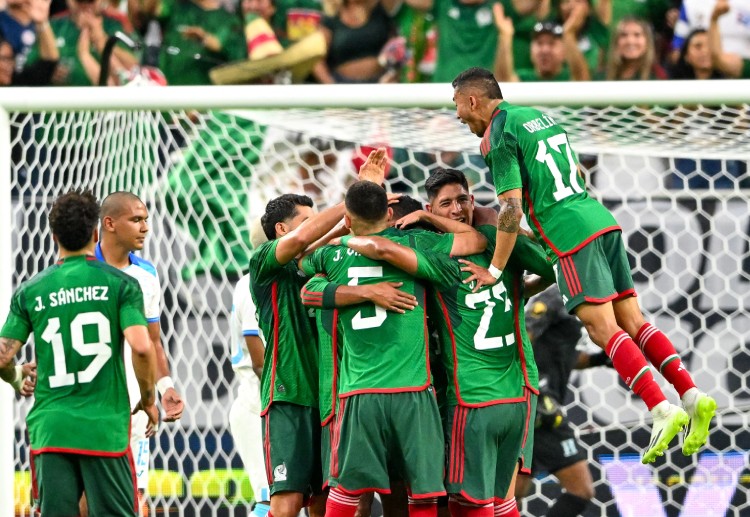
{"x": 77, "y": 311}
{"x": 290, "y": 372}
{"x": 243, "y": 323}
{"x": 186, "y": 61}
{"x": 555, "y": 333}
{"x": 486, "y": 349}
{"x": 383, "y": 352}
{"x": 526, "y": 149}
{"x": 145, "y": 272}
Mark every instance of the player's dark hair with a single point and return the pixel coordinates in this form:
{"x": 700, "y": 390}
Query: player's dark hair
{"x": 114, "y": 203}
{"x": 367, "y": 201}
{"x": 405, "y": 206}
{"x": 442, "y": 177}
{"x": 281, "y": 209}
{"x": 73, "y": 217}
{"x": 481, "y": 79}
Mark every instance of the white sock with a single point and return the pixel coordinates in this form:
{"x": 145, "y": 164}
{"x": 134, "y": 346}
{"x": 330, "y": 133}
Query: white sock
{"x": 690, "y": 397}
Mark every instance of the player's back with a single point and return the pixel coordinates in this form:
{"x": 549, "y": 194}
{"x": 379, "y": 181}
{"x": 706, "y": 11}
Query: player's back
{"x": 556, "y": 203}
{"x": 78, "y": 309}
{"x": 382, "y": 351}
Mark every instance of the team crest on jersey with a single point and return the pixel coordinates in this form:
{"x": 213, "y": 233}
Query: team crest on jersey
{"x": 279, "y": 473}
{"x": 280, "y": 388}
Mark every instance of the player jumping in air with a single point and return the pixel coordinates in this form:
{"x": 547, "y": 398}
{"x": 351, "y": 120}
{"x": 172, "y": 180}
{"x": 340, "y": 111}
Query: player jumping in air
{"x": 536, "y": 173}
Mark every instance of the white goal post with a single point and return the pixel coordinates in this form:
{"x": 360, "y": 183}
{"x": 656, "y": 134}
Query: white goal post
{"x": 670, "y": 158}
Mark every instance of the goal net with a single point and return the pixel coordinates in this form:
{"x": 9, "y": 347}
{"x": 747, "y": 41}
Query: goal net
{"x": 674, "y": 172}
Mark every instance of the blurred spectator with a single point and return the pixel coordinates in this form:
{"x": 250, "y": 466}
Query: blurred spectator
{"x": 17, "y": 28}
{"x": 466, "y": 33}
{"x": 294, "y": 19}
{"x": 694, "y": 61}
{"x": 355, "y": 35}
{"x": 417, "y": 28}
{"x": 730, "y": 64}
{"x": 97, "y": 24}
{"x": 735, "y": 28}
{"x": 632, "y": 55}
{"x": 662, "y": 14}
{"x": 591, "y": 28}
{"x": 36, "y": 74}
{"x": 197, "y": 36}
{"x": 555, "y": 54}
{"x": 14, "y": 71}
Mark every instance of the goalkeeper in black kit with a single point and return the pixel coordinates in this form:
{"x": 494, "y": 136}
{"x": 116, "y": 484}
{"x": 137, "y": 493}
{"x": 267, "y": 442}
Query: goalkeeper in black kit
{"x": 554, "y": 335}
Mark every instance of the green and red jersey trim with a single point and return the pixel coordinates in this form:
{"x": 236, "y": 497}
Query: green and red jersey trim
{"x": 275, "y": 353}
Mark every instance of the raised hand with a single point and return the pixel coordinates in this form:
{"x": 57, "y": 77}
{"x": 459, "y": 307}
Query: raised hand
{"x": 409, "y": 219}
{"x": 720, "y": 8}
{"x": 503, "y": 23}
{"x": 374, "y": 167}
{"x": 39, "y": 10}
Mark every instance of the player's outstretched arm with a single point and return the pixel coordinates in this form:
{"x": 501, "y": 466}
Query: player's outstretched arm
{"x": 379, "y": 248}
{"x": 508, "y": 224}
{"x": 170, "y": 400}
{"x": 295, "y": 242}
{"x": 466, "y": 240}
{"x": 144, "y": 365}
{"x": 319, "y": 293}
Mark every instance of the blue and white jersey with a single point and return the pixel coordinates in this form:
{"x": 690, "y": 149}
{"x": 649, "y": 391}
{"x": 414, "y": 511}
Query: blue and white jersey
{"x": 243, "y": 323}
{"x": 733, "y": 26}
{"x": 145, "y": 272}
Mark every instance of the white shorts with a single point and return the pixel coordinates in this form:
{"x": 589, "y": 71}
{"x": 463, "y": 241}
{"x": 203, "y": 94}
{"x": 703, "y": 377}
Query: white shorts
{"x": 139, "y": 445}
{"x": 245, "y": 425}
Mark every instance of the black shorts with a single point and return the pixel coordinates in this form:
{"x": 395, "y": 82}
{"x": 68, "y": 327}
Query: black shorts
{"x": 555, "y": 449}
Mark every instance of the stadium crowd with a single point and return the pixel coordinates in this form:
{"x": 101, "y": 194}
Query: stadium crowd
{"x": 179, "y": 42}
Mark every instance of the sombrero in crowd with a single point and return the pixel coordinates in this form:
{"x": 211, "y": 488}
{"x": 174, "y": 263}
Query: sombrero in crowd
{"x": 268, "y": 57}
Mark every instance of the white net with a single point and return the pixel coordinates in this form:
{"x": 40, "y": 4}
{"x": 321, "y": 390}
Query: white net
{"x": 676, "y": 179}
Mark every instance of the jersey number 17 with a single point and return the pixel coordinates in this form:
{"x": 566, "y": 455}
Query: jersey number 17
{"x": 563, "y": 189}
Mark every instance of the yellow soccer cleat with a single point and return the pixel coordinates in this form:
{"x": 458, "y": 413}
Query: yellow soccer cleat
{"x": 668, "y": 421}
{"x": 701, "y": 411}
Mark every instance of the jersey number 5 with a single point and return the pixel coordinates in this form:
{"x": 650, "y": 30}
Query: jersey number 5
{"x": 360, "y": 322}
{"x": 100, "y": 349}
{"x": 543, "y": 155}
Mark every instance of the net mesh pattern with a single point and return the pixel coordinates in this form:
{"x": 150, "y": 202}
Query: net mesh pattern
{"x": 676, "y": 179}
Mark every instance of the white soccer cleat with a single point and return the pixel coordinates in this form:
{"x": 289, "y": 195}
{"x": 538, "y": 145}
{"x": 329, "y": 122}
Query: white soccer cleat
{"x": 701, "y": 409}
{"x": 668, "y": 421}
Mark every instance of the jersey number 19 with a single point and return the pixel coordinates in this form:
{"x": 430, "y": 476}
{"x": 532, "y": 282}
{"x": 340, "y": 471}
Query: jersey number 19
{"x": 100, "y": 349}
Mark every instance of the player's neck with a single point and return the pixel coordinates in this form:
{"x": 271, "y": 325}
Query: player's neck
{"x": 114, "y": 254}
{"x": 369, "y": 229}
{"x": 88, "y": 250}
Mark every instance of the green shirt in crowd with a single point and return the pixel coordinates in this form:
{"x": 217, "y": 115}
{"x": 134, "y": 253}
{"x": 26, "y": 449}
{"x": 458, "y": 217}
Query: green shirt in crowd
{"x": 186, "y": 61}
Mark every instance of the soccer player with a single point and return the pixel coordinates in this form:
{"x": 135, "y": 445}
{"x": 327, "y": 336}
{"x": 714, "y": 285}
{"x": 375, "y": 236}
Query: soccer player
{"x": 387, "y": 418}
{"x": 555, "y": 334}
{"x": 79, "y": 310}
{"x": 289, "y": 384}
{"x": 493, "y": 382}
{"x": 124, "y": 226}
{"x": 530, "y": 158}
{"x": 244, "y": 416}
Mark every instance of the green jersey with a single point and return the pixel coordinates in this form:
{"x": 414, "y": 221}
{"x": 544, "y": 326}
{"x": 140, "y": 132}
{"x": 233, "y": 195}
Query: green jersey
{"x": 383, "y": 352}
{"x": 77, "y": 311}
{"x": 186, "y": 61}
{"x": 486, "y": 350}
{"x": 526, "y": 149}
{"x": 291, "y": 358}
{"x": 320, "y": 293}
{"x": 529, "y": 75}
{"x": 66, "y": 38}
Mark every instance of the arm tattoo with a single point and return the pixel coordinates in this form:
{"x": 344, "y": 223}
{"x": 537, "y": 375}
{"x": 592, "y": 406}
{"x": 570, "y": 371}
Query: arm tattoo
{"x": 8, "y": 349}
{"x": 508, "y": 220}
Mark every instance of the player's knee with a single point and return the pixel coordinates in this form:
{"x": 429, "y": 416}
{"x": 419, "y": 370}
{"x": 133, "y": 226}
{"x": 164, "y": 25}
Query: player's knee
{"x": 583, "y": 491}
{"x": 286, "y": 505}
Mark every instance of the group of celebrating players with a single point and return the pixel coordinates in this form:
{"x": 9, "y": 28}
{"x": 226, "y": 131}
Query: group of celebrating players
{"x": 386, "y": 364}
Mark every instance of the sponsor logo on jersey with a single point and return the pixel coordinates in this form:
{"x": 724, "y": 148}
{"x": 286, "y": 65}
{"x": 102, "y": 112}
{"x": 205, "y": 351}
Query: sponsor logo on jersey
{"x": 279, "y": 473}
